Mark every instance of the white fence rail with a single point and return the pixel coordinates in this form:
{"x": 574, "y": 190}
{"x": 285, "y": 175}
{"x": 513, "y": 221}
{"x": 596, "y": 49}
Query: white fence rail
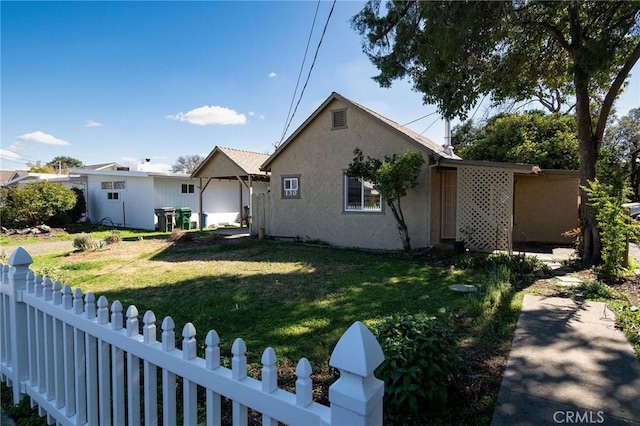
{"x": 83, "y": 362}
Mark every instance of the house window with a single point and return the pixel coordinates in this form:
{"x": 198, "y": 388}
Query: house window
{"x": 361, "y": 196}
{"x": 339, "y": 119}
{"x": 118, "y": 184}
{"x": 113, "y": 196}
{"x": 291, "y": 186}
{"x": 188, "y": 188}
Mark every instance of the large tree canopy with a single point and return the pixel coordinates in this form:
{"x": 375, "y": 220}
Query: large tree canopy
{"x": 562, "y": 53}
{"x": 549, "y": 141}
{"x": 62, "y": 163}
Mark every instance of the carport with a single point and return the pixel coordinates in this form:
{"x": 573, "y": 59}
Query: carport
{"x": 231, "y": 165}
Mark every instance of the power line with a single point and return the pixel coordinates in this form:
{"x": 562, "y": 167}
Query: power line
{"x": 434, "y": 122}
{"x": 304, "y": 59}
{"x": 310, "y": 70}
{"x": 418, "y": 119}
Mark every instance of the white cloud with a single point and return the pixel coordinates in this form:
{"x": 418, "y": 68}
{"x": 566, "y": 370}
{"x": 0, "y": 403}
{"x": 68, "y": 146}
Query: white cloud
{"x": 40, "y": 137}
{"x": 272, "y": 74}
{"x": 261, "y": 117}
{"x": 210, "y": 115}
{"x": 9, "y": 155}
{"x": 251, "y": 113}
{"x": 91, "y": 124}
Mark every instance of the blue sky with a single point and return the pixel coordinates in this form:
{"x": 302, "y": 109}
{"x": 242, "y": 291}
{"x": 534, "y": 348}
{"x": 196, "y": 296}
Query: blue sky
{"x": 125, "y": 81}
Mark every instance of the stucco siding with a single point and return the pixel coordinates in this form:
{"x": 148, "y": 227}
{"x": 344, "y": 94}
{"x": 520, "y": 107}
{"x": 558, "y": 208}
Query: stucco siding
{"x": 546, "y": 205}
{"x": 319, "y": 156}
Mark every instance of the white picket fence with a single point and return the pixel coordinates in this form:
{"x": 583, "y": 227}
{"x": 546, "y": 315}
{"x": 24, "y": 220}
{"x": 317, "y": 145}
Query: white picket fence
{"x": 81, "y": 363}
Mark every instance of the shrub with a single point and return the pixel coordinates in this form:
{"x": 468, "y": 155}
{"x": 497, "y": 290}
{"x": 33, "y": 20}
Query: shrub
{"x": 113, "y": 238}
{"x": 614, "y": 225}
{"x": 85, "y": 242}
{"x": 420, "y": 360}
{"x": 35, "y": 203}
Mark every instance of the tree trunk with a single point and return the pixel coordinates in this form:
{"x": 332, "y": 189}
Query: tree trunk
{"x": 588, "y": 145}
{"x": 402, "y": 226}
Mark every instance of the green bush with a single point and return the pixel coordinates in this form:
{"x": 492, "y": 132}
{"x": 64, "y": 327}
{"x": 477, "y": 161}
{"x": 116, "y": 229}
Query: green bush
{"x": 420, "y": 360}
{"x": 85, "y": 242}
{"x": 614, "y": 224}
{"x": 35, "y": 203}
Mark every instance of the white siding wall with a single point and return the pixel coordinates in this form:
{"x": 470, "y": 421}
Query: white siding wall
{"x": 221, "y": 200}
{"x": 133, "y": 203}
{"x": 168, "y": 193}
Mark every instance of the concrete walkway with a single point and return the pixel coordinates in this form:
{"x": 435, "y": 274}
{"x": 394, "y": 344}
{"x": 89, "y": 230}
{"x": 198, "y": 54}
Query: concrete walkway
{"x": 568, "y": 365}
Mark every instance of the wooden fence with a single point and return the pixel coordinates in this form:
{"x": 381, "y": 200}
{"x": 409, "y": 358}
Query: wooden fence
{"x": 83, "y": 362}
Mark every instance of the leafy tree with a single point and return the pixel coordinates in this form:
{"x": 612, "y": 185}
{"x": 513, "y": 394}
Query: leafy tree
{"x": 62, "y": 163}
{"x": 35, "y": 203}
{"x": 187, "y": 164}
{"x": 550, "y": 141}
{"x": 622, "y": 140}
{"x": 392, "y": 177}
{"x": 38, "y": 167}
{"x": 455, "y": 52}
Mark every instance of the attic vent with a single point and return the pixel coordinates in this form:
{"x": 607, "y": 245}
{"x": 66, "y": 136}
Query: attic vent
{"x": 339, "y": 119}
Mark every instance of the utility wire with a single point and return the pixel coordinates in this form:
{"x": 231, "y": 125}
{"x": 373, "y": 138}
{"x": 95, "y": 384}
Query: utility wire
{"x": 434, "y": 122}
{"x": 418, "y": 119}
{"x": 310, "y": 70}
{"x": 304, "y": 59}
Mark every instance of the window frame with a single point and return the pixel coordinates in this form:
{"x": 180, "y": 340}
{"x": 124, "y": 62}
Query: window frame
{"x": 362, "y": 209}
{"x": 292, "y": 178}
{"x": 188, "y": 188}
{"x": 113, "y": 196}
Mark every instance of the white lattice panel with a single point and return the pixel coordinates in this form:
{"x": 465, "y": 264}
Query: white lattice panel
{"x": 485, "y": 208}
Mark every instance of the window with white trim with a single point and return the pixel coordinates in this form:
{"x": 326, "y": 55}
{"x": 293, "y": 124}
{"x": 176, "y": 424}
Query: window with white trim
{"x": 108, "y": 185}
{"x": 188, "y": 188}
{"x": 113, "y": 196}
{"x": 291, "y": 186}
{"x": 361, "y": 196}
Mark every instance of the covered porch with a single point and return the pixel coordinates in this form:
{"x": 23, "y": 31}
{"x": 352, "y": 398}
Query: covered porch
{"x": 492, "y": 205}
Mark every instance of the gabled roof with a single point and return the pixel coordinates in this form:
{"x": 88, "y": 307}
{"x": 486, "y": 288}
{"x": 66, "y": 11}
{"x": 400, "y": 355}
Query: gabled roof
{"x": 437, "y": 151}
{"x": 246, "y": 162}
{"x": 7, "y": 175}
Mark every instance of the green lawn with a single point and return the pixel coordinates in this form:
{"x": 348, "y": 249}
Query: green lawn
{"x": 299, "y": 299}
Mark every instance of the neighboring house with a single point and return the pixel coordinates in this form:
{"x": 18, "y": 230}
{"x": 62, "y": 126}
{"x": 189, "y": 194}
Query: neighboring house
{"x": 473, "y": 201}
{"x": 25, "y": 177}
{"x": 231, "y": 177}
{"x": 129, "y": 199}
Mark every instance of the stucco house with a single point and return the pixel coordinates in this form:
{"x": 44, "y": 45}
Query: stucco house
{"x": 488, "y": 205}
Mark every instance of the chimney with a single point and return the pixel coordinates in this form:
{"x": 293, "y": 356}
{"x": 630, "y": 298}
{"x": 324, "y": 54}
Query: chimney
{"x": 448, "y": 148}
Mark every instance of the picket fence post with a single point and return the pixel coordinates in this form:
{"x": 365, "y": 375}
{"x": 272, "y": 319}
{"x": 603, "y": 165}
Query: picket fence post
{"x": 356, "y": 397}
{"x": 20, "y": 261}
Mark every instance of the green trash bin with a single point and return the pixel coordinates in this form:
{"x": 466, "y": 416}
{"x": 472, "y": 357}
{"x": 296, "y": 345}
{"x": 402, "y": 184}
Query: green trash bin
{"x": 183, "y": 217}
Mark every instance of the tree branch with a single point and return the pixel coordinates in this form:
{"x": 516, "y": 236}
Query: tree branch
{"x": 614, "y": 90}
